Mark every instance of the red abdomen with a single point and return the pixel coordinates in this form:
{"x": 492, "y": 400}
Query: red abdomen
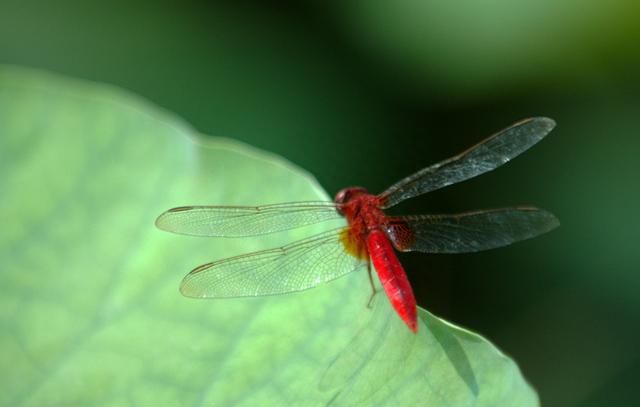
{"x": 393, "y": 278}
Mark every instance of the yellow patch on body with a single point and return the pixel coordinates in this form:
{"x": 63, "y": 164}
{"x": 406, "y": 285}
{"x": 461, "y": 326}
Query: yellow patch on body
{"x": 352, "y": 245}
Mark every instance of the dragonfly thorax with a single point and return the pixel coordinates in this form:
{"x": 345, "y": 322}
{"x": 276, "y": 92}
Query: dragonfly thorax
{"x": 360, "y": 208}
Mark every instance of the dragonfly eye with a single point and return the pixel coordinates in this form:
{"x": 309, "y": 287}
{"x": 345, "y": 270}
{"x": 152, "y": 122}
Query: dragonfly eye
{"x": 341, "y": 196}
{"x": 347, "y": 194}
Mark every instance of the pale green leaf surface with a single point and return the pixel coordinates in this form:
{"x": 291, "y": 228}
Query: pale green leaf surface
{"x": 89, "y": 304}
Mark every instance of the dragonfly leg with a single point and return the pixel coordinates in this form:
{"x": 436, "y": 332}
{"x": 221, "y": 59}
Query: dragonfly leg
{"x": 373, "y": 287}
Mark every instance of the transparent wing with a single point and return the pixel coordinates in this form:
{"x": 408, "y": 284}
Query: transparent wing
{"x": 468, "y": 232}
{"x": 296, "y": 267}
{"x": 239, "y": 221}
{"x": 483, "y": 157}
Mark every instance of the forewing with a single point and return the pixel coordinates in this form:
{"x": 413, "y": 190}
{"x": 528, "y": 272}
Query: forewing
{"x": 468, "y": 232}
{"x": 483, "y": 157}
{"x": 239, "y": 221}
{"x": 296, "y": 267}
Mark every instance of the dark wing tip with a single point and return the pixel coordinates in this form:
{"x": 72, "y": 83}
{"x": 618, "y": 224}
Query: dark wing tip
{"x": 554, "y": 222}
{"x": 545, "y": 220}
{"x": 188, "y": 292}
{"x": 546, "y": 124}
{"x": 180, "y": 209}
{"x": 161, "y": 221}
{"x": 187, "y": 284}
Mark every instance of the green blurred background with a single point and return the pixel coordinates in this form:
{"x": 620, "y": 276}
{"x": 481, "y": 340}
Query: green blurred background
{"x": 366, "y": 92}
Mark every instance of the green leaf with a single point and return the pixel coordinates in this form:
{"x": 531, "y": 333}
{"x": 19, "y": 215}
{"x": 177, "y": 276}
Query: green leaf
{"x": 89, "y": 302}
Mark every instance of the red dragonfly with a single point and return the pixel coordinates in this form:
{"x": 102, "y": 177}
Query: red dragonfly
{"x": 370, "y": 235}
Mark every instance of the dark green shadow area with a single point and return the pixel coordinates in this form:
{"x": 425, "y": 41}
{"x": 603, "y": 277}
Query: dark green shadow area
{"x": 450, "y": 342}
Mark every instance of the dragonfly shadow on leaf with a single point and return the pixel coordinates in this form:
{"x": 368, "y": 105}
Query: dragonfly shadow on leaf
{"x": 370, "y": 359}
{"x": 453, "y": 350}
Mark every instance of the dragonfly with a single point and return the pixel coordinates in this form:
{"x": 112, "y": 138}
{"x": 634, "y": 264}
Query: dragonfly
{"x": 370, "y": 237}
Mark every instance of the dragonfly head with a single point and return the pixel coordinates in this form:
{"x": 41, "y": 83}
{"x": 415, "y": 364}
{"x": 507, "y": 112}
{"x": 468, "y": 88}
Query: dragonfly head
{"x": 345, "y": 195}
